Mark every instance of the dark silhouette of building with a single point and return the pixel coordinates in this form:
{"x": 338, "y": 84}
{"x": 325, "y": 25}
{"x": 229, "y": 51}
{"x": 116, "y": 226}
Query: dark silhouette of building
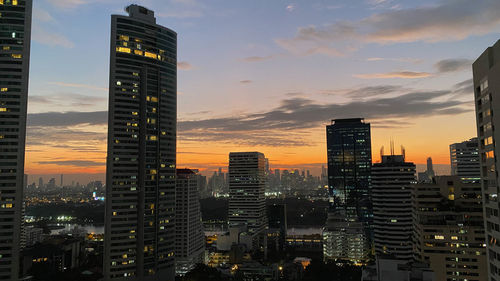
{"x": 140, "y": 178}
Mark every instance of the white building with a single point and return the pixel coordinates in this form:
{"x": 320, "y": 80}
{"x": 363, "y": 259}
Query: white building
{"x": 391, "y": 269}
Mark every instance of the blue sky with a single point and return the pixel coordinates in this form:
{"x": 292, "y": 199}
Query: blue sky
{"x": 248, "y": 59}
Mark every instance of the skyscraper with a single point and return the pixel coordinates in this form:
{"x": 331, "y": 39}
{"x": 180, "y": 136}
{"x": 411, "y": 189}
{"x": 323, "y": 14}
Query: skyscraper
{"x": 140, "y": 177}
{"x": 486, "y": 72}
{"x": 189, "y": 238}
{"x": 349, "y": 163}
{"x": 15, "y": 38}
{"x": 449, "y": 228}
{"x": 464, "y": 158}
{"x": 392, "y": 181}
{"x": 247, "y": 183}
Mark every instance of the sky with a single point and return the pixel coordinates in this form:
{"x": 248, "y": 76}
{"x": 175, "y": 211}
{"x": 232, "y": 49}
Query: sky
{"x": 266, "y": 75}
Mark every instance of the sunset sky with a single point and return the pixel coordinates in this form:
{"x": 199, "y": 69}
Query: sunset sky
{"x": 266, "y": 75}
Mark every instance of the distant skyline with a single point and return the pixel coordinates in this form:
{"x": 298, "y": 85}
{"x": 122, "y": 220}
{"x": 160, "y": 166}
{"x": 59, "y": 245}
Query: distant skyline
{"x": 266, "y": 76}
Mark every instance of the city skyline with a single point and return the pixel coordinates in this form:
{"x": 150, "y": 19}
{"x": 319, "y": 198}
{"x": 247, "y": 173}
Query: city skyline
{"x": 361, "y": 68}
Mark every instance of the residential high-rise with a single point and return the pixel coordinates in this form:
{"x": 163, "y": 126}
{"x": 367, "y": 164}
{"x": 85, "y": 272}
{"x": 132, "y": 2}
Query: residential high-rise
{"x": 465, "y": 161}
{"x": 449, "y": 228}
{"x": 189, "y": 237}
{"x": 392, "y": 181}
{"x": 349, "y": 163}
{"x": 486, "y": 72}
{"x": 140, "y": 178}
{"x": 15, "y": 39}
{"x": 247, "y": 183}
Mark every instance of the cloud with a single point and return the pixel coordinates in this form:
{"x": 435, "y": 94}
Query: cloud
{"x": 50, "y": 38}
{"x": 409, "y": 60}
{"x": 291, "y": 7}
{"x": 246, "y": 81}
{"x": 77, "y": 163}
{"x": 184, "y": 65}
{"x": 290, "y": 123}
{"x": 67, "y": 4}
{"x": 41, "y": 15}
{"x": 453, "y": 65}
{"x": 397, "y": 74}
{"x": 465, "y": 88}
{"x": 257, "y": 58}
{"x": 374, "y": 91}
{"x": 76, "y": 85}
{"x": 448, "y": 21}
{"x": 70, "y": 118}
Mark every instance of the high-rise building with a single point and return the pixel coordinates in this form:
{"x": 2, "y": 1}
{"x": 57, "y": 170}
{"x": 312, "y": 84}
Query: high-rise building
{"x": 15, "y": 38}
{"x": 277, "y": 222}
{"x": 449, "y": 228}
{"x": 140, "y": 178}
{"x": 349, "y": 163}
{"x": 40, "y": 182}
{"x": 486, "y": 72}
{"x": 464, "y": 158}
{"x": 247, "y": 183}
{"x": 392, "y": 181}
{"x": 189, "y": 237}
{"x": 62, "y": 181}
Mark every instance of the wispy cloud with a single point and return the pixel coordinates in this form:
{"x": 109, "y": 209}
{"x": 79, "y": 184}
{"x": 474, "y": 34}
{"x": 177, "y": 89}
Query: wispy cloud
{"x": 49, "y": 38}
{"x": 77, "y": 85}
{"x": 291, "y": 7}
{"x": 258, "y": 58}
{"x": 408, "y": 60}
{"x": 41, "y": 15}
{"x": 391, "y": 75}
{"x": 448, "y": 21}
{"x": 184, "y": 65}
{"x": 453, "y": 65}
{"x": 77, "y": 163}
{"x": 246, "y": 81}
{"x": 71, "y": 118}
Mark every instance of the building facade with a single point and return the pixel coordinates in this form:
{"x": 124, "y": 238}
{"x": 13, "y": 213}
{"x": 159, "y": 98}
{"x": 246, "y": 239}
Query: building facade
{"x": 392, "y": 182}
{"x": 15, "y": 39}
{"x": 449, "y": 228}
{"x": 140, "y": 178}
{"x": 349, "y": 164}
{"x": 189, "y": 236}
{"x": 486, "y": 73}
{"x": 464, "y": 159}
{"x": 247, "y": 183}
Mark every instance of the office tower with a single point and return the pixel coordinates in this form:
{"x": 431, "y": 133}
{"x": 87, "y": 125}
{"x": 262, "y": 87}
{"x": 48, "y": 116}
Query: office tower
{"x": 189, "y": 236}
{"x": 247, "y": 182}
{"x": 486, "y": 72}
{"x": 349, "y": 162}
{"x": 40, "y": 182}
{"x": 15, "y": 23}
{"x": 449, "y": 228}
{"x": 392, "y": 181}
{"x": 51, "y": 183}
{"x": 430, "y": 168}
{"x": 140, "y": 178}
{"x": 62, "y": 181}
{"x": 464, "y": 158}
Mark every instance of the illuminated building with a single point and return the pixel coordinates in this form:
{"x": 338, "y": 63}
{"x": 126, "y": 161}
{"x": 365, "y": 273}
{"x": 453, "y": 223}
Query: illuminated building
{"x": 140, "y": 178}
{"x": 348, "y": 232}
{"x": 392, "y": 181}
{"x": 247, "y": 183}
{"x": 486, "y": 72}
{"x": 464, "y": 158}
{"x": 189, "y": 238}
{"x": 15, "y": 23}
{"x": 448, "y": 228}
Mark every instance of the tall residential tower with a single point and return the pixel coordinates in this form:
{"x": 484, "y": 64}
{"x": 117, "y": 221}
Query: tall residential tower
{"x": 465, "y": 162}
{"x": 486, "y": 71}
{"x": 140, "y": 178}
{"x": 15, "y": 35}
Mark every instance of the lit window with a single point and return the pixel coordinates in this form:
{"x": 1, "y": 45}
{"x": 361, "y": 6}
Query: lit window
{"x": 135, "y": 113}
{"x": 135, "y": 73}
{"x": 114, "y": 213}
{"x": 153, "y": 172}
{"x": 13, "y": 35}
{"x": 139, "y": 46}
{"x": 1, "y": 2}
{"x": 119, "y": 83}
{"x": 3, "y": 109}
{"x": 6, "y": 48}
{"x": 454, "y": 237}
{"x": 154, "y": 99}
{"x": 124, "y": 37}
{"x": 17, "y": 56}
{"x": 439, "y": 237}
{"x": 153, "y": 138}
{"x": 14, "y": 2}
{"x": 4, "y": 89}
{"x": 123, "y": 50}
{"x": 138, "y": 52}
{"x": 125, "y": 44}
{"x": 150, "y": 55}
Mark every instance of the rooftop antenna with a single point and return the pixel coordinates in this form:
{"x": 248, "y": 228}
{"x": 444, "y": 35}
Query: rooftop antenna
{"x": 392, "y": 147}
{"x": 403, "y": 152}
{"x": 381, "y": 153}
